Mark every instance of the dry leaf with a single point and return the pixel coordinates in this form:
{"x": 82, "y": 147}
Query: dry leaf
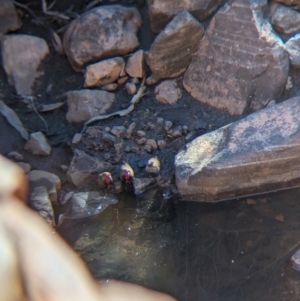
{"x": 13, "y": 119}
{"x": 251, "y": 202}
{"x": 280, "y": 217}
{"x": 51, "y": 107}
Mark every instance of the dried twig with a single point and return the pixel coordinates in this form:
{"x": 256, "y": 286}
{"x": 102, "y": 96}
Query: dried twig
{"x": 24, "y": 6}
{"x": 35, "y": 110}
{"x": 135, "y": 99}
{"x": 53, "y": 13}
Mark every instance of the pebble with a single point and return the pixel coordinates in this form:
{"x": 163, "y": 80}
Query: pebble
{"x": 38, "y": 144}
{"x": 127, "y": 149}
{"x": 131, "y": 128}
{"x": 64, "y": 168}
{"x": 110, "y": 87}
{"x": 141, "y": 141}
{"x": 108, "y": 138}
{"x": 16, "y": 156}
{"x": 118, "y": 131}
{"x": 141, "y": 133}
{"x": 130, "y": 88}
{"x": 160, "y": 121}
{"x": 122, "y": 80}
{"x": 161, "y": 144}
{"x": 77, "y": 138}
{"x": 168, "y": 125}
{"x": 177, "y": 131}
{"x": 135, "y": 80}
{"x": 152, "y": 143}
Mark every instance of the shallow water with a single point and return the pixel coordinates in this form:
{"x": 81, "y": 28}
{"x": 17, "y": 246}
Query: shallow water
{"x": 235, "y": 250}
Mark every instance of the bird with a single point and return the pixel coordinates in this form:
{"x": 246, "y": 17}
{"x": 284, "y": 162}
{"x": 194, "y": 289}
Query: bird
{"x": 105, "y": 180}
{"x": 153, "y": 166}
{"x": 126, "y": 173}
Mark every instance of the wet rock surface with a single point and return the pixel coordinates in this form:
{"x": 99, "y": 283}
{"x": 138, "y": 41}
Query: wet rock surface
{"x": 162, "y": 11}
{"x": 21, "y": 57}
{"x": 233, "y": 72}
{"x": 170, "y": 53}
{"x": 104, "y": 31}
{"x": 241, "y": 158}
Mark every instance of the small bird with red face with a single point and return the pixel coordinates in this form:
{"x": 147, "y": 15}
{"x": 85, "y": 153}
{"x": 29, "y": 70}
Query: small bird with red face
{"x": 126, "y": 173}
{"x": 153, "y": 166}
{"x": 105, "y": 180}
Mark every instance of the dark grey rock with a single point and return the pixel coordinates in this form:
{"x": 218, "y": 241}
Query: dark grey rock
{"x": 38, "y": 144}
{"x": 293, "y": 48}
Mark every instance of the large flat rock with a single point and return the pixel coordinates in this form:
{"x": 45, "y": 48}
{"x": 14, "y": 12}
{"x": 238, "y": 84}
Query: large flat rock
{"x": 257, "y": 154}
{"x": 240, "y": 64}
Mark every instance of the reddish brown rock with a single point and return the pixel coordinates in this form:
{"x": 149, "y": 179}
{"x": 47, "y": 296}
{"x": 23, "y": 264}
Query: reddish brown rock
{"x": 167, "y": 92}
{"x": 85, "y": 104}
{"x": 240, "y": 63}
{"x": 257, "y": 154}
{"x": 110, "y": 87}
{"x": 9, "y": 20}
{"x": 130, "y": 88}
{"x": 103, "y": 73}
{"x": 84, "y": 168}
{"x": 284, "y": 19}
{"x": 136, "y": 65}
{"x": 102, "y": 32}
{"x": 162, "y": 11}
{"x": 170, "y": 53}
{"x": 21, "y": 58}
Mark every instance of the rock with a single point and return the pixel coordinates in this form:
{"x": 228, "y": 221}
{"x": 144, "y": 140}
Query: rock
{"x": 39, "y": 201}
{"x": 136, "y": 65}
{"x": 67, "y": 197}
{"x": 122, "y": 80}
{"x": 142, "y": 184}
{"x": 85, "y": 104}
{"x": 25, "y": 166}
{"x": 38, "y": 144}
{"x": 284, "y": 19}
{"x": 254, "y": 155}
{"x": 152, "y": 143}
{"x": 131, "y": 129}
{"x": 85, "y": 204}
{"x": 118, "y": 131}
{"x": 141, "y": 141}
{"x": 110, "y": 87}
{"x": 289, "y": 2}
{"x": 233, "y": 71}
{"x": 21, "y": 58}
{"x": 135, "y": 80}
{"x": 77, "y": 138}
{"x": 130, "y": 88}
{"x": 141, "y": 133}
{"x": 9, "y": 20}
{"x": 293, "y": 48}
{"x": 16, "y": 156}
{"x": 103, "y": 73}
{"x": 41, "y": 178}
{"x": 102, "y": 32}
{"x": 168, "y": 125}
{"x": 161, "y": 144}
{"x": 167, "y": 92}
{"x": 295, "y": 260}
{"x": 171, "y": 51}
{"x": 84, "y": 168}
{"x": 108, "y": 138}
{"x": 177, "y": 131}
{"x": 161, "y": 11}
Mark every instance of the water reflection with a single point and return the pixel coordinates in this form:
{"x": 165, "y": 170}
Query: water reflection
{"x": 236, "y": 250}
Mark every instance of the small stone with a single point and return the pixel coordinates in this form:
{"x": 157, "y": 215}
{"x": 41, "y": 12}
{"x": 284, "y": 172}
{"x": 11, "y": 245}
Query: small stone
{"x": 148, "y": 148}
{"x": 118, "y": 131}
{"x": 110, "y": 87}
{"x": 152, "y": 143}
{"x": 103, "y": 73}
{"x": 106, "y": 156}
{"x": 185, "y": 129}
{"x": 84, "y": 168}
{"x": 161, "y": 144}
{"x": 251, "y": 202}
{"x": 160, "y": 121}
{"x": 25, "y": 166}
{"x": 108, "y": 138}
{"x": 119, "y": 145}
{"x": 136, "y": 65}
{"x": 38, "y": 178}
{"x": 77, "y": 138}
{"x": 105, "y": 31}
{"x": 141, "y": 141}
{"x": 67, "y": 197}
{"x": 122, "y": 80}
{"x": 64, "y": 168}
{"x": 177, "y": 131}
{"x": 130, "y": 129}
{"x": 39, "y": 201}
{"x": 85, "y": 104}
{"x": 130, "y": 88}
{"x": 21, "y": 58}
{"x": 107, "y": 129}
{"x": 151, "y": 125}
{"x": 168, "y": 125}
{"x": 141, "y": 133}
{"x": 16, "y": 156}
{"x": 38, "y": 145}
{"x": 168, "y": 92}
{"x": 135, "y": 80}
{"x": 127, "y": 149}
{"x": 9, "y": 20}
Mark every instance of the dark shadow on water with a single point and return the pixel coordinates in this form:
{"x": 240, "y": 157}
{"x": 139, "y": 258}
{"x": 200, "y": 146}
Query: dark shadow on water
{"x": 235, "y": 250}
